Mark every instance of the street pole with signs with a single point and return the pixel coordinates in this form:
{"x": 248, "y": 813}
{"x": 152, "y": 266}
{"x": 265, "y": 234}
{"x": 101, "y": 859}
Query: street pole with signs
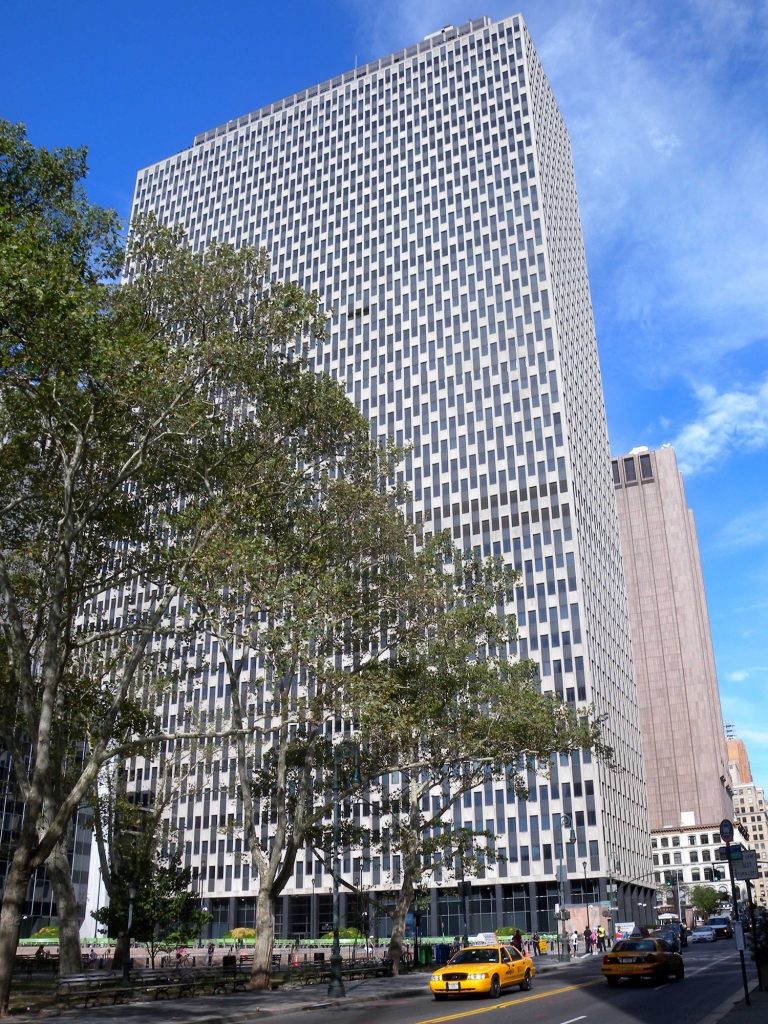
{"x": 726, "y": 834}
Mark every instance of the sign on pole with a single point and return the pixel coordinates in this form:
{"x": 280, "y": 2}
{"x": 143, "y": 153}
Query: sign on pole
{"x": 726, "y": 830}
{"x": 737, "y": 852}
{"x": 746, "y": 868}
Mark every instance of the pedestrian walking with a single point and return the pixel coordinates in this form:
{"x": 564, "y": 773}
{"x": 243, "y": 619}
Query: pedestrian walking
{"x": 211, "y": 949}
{"x": 600, "y": 939}
{"x": 517, "y": 941}
{"x": 536, "y": 946}
{"x": 575, "y": 942}
{"x": 588, "y": 939}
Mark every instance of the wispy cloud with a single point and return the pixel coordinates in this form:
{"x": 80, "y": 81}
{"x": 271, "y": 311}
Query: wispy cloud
{"x": 727, "y": 422}
{"x": 738, "y": 676}
{"x": 746, "y": 531}
{"x": 665, "y": 108}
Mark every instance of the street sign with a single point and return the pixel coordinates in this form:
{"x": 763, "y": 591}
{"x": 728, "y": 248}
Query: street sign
{"x": 726, "y": 830}
{"x": 746, "y": 868}
{"x": 737, "y": 852}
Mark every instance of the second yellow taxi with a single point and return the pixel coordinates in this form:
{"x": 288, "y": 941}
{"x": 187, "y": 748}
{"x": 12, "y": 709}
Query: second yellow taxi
{"x": 642, "y": 958}
{"x": 484, "y": 970}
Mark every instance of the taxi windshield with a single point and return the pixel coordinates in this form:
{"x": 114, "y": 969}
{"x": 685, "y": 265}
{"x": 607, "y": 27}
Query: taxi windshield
{"x": 476, "y": 956}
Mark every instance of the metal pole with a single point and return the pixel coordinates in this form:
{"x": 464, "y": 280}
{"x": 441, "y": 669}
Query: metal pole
{"x": 612, "y": 930}
{"x": 679, "y": 908}
{"x": 335, "y": 984}
{"x": 463, "y": 901}
{"x": 735, "y": 899}
{"x": 563, "y": 939}
{"x": 127, "y": 958}
{"x": 584, "y": 865}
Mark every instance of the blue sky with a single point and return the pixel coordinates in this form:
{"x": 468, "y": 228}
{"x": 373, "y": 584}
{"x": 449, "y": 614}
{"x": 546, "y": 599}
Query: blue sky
{"x": 667, "y": 107}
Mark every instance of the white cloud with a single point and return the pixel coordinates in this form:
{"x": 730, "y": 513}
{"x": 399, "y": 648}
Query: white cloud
{"x": 738, "y": 676}
{"x": 746, "y": 531}
{"x": 727, "y": 422}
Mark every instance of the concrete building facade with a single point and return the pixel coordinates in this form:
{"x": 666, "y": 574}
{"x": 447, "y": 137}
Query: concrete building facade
{"x": 751, "y": 811}
{"x": 738, "y": 761}
{"x": 428, "y": 197}
{"x": 686, "y": 764}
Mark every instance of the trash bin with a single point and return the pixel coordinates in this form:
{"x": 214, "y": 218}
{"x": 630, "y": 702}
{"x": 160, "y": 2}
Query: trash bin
{"x": 426, "y": 955}
{"x": 319, "y": 958}
{"x": 387, "y": 962}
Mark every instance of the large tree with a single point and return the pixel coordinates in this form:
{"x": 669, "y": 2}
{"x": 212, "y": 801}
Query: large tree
{"x": 453, "y": 708}
{"x": 302, "y": 603}
{"x": 132, "y": 419}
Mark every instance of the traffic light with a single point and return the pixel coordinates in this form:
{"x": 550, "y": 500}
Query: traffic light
{"x": 718, "y": 874}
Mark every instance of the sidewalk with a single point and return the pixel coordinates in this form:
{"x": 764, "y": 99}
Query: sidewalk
{"x": 247, "y": 1007}
{"x": 737, "y": 1011}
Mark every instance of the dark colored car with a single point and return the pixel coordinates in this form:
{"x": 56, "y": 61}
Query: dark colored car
{"x": 723, "y": 927}
{"x": 669, "y": 936}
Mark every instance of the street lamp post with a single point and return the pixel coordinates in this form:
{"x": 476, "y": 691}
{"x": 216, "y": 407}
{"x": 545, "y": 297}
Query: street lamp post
{"x": 584, "y": 865}
{"x": 562, "y": 936}
{"x": 335, "y": 984}
{"x": 127, "y": 957}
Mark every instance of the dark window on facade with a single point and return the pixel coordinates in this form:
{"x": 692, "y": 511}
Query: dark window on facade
{"x": 616, "y": 474}
{"x": 646, "y": 471}
{"x": 630, "y": 475}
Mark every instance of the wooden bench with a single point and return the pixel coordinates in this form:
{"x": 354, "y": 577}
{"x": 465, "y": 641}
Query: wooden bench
{"x": 165, "y": 981}
{"x": 35, "y": 964}
{"x": 91, "y": 988}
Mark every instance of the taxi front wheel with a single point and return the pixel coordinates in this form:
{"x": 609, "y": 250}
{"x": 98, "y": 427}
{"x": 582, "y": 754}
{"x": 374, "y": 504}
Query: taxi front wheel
{"x": 525, "y": 984}
{"x": 495, "y": 987}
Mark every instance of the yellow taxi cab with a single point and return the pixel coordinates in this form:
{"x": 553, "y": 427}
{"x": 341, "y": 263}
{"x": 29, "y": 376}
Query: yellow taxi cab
{"x": 642, "y": 958}
{"x": 484, "y": 970}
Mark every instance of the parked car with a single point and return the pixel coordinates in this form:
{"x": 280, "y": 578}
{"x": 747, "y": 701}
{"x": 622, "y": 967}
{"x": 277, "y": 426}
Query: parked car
{"x": 483, "y": 970}
{"x": 723, "y": 927}
{"x": 642, "y": 958}
{"x": 704, "y": 933}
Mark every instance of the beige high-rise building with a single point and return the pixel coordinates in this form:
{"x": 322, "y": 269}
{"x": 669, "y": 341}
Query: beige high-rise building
{"x": 681, "y": 725}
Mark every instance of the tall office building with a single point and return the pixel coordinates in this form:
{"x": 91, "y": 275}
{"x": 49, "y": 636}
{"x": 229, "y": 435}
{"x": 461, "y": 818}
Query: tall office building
{"x": 686, "y": 765}
{"x": 429, "y": 198}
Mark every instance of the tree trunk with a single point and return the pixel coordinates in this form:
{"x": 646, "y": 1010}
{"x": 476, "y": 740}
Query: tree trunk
{"x": 14, "y": 895}
{"x": 122, "y": 951}
{"x": 265, "y": 937}
{"x": 409, "y": 849}
{"x": 67, "y": 910}
{"x": 395, "y": 950}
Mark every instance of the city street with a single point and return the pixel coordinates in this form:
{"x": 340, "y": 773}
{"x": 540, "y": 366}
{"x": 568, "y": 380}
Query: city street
{"x": 576, "y": 995}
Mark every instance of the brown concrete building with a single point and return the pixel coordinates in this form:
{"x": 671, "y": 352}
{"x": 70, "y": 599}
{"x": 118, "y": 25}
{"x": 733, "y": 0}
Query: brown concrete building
{"x": 686, "y": 765}
{"x": 738, "y": 761}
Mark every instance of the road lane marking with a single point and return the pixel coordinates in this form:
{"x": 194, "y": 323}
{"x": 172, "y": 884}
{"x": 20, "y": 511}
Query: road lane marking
{"x": 512, "y": 1002}
{"x": 574, "y": 1019}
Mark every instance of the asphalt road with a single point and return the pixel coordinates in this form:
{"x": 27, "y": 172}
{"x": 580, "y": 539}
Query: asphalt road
{"x": 576, "y": 995}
